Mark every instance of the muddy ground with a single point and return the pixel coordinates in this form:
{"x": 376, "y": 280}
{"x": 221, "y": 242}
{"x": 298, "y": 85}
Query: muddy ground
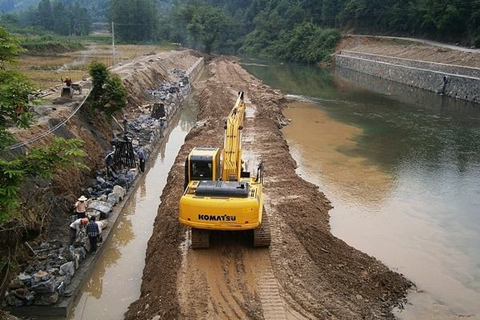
{"x": 306, "y": 273}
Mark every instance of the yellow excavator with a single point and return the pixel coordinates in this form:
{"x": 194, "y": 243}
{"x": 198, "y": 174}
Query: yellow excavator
{"x": 218, "y": 194}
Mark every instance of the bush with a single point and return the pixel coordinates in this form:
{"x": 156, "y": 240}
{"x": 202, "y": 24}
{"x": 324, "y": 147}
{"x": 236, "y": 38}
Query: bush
{"x": 306, "y": 43}
{"x": 115, "y": 95}
{"x": 108, "y": 93}
{"x": 99, "y": 74}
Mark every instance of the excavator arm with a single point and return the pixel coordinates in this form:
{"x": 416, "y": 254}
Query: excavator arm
{"x": 232, "y": 150}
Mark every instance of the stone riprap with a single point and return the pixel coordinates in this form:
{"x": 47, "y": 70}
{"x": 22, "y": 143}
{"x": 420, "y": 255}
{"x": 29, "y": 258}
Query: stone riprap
{"x": 54, "y": 278}
{"x": 449, "y": 80}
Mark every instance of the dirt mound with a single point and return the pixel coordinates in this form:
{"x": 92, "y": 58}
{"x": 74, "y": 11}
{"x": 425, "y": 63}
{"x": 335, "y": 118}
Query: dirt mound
{"x": 306, "y": 274}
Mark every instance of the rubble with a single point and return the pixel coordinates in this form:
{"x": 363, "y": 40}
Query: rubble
{"x": 43, "y": 282}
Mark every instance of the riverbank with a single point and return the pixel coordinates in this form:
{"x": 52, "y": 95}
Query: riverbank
{"x": 442, "y": 70}
{"x": 306, "y": 273}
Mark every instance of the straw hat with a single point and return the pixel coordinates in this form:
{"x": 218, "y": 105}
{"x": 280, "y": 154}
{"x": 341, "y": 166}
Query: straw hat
{"x": 82, "y": 198}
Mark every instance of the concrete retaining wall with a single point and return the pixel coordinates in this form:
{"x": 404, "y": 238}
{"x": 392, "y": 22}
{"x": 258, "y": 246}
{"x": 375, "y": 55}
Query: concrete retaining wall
{"x": 453, "y": 81}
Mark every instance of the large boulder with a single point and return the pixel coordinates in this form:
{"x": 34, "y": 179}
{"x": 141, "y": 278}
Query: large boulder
{"x": 25, "y": 278}
{"x": 13, "y": 301}
{"x": 68, "y": 268}
{"x": 102, "y": 207}
{"x": 113, "y": 199}
{"x": 45, "y": 286}
{"x": 119, "y": 191}
{"x": 81, "y": 252}
{"x": 46, "y": 299}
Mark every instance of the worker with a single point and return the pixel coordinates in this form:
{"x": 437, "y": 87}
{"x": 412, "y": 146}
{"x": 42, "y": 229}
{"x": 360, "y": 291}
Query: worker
{"x": 67, "y": 81}
{"x": 75, "y": 228}
{"x": 81, "y": 207}
{"x": 109, "y": 164}
{"x": 92, "y": 233}
{"x": 102, "y": 224}
{"x": 141, "y": 158}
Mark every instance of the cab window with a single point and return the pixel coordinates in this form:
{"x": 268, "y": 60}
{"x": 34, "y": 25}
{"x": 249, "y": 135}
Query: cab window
{"x": 201, "y": 170}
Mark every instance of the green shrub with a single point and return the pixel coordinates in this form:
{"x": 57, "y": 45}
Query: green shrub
{"x": 115, "y": 95}
{"x": 306, "y": 42}
{"x": 108, "y": 93}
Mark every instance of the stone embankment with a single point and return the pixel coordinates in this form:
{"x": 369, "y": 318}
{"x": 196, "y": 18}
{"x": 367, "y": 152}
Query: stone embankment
{"x": 51, "y": 282}
{"x": 444, "y": 79}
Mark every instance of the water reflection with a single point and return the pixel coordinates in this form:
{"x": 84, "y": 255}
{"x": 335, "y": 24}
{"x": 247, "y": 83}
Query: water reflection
{"x": 328, "y": 148}
{"x": 402, "y": 168}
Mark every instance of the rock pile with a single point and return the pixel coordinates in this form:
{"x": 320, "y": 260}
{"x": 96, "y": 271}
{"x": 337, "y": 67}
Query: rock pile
{"x": 45, "y": 281}
{"x": 167, "y": 90}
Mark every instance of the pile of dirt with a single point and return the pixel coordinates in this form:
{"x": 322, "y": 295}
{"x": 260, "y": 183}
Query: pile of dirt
{"x": 306, "y": 274}
{"x": 409, "y": 50}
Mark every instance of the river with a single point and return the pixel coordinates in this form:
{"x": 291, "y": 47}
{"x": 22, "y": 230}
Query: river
{"x": 402, "y": 169}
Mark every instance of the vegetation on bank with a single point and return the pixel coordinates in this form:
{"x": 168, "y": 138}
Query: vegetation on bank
{"x": 108, "y": 94}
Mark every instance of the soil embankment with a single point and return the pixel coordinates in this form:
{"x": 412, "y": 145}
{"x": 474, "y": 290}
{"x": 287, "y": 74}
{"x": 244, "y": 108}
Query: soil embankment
{"x": 305, "y": 274}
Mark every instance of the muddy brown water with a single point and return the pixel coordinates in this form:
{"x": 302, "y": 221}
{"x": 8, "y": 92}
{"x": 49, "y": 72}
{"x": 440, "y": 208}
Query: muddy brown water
{"x": 116, "y": 279}
{"x": 402, "y": 169}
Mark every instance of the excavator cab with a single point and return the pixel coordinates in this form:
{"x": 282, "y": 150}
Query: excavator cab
{"x": 203, "y": 163}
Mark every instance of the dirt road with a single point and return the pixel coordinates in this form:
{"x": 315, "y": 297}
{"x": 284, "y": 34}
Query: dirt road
{"x": 305, "y": 274}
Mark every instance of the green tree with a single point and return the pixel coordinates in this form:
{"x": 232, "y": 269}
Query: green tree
{"x": 208, "y": 25}
{"x": 135, "y": 20}
{"x": 115, "y": 95}
{"x": 9, "y": 48}
{"x": 44, "y": 15}
{"x": 108, "y": 93}
{"x": 99, "y": 74}
{"x": 39, "y": 162}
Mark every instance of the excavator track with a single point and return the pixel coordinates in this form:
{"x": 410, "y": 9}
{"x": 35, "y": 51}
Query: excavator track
{"x": 200, "y": 238}
{"x": 262, "y": 235}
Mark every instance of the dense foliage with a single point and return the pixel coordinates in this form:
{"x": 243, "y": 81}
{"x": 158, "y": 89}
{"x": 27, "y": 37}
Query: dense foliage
{"x": 108, "y": 93}
{"x": 300, "y": 30}
{"x": 97, "y": 8}
{"x": 59, "y": 16}
{"x": 15, "y": 103}
{"x": 451, "y": 20}
{"x": 134, "y": 20}
{"x": 201, "y": 26}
